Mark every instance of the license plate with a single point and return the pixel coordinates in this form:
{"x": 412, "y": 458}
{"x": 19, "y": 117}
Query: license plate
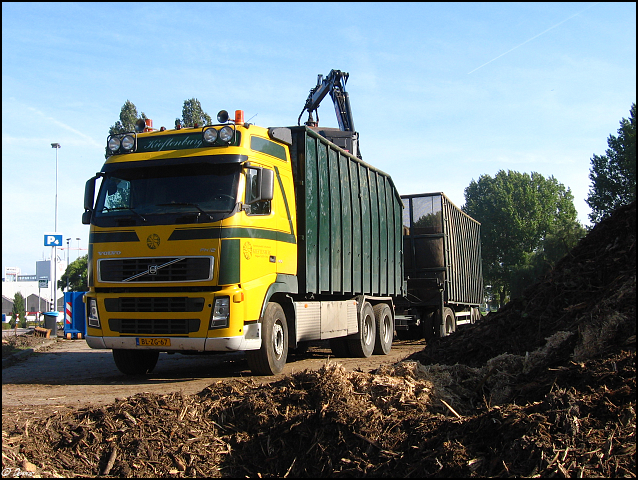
{"x": 153, "y": 342}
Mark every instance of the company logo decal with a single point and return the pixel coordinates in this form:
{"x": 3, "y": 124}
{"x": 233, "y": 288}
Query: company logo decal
{"x": 248, "y": 250}
{"x": 153, "y": 241}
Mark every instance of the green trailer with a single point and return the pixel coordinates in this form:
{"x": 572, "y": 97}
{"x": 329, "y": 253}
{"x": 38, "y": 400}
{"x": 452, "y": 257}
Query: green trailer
{"x": 443, "y": 270}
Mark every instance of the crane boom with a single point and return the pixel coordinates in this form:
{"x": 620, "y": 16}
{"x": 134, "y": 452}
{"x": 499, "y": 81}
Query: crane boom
{"x": 333, "y": 84}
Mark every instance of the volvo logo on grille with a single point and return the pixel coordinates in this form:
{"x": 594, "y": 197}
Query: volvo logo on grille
{"x": 152, "y": 269}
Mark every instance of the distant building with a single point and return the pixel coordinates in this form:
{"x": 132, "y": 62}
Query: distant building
{"x": 29, "y": 287}
{"x": 32, "y": 295}
{"x": 11, "y": 274}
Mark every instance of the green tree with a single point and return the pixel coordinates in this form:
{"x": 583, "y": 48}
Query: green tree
{"x": 18, "y": 311}
{"x": 519, "y": 213}
{"x": 128, "y": 117}
{"x": 192, "y": 114}
{"x": 613, "y": 175}
{"x": 76, "y": 273}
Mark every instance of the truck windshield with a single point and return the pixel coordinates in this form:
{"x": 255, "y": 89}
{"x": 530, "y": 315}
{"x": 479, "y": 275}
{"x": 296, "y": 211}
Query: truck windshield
{"x": 199, "y": 189}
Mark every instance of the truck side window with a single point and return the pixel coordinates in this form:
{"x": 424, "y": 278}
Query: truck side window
{"x": 262, "y": 207}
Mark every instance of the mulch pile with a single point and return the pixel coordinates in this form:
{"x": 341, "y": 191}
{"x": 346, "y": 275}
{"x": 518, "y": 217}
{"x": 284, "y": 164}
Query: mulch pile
{"x": 545, "y": 387}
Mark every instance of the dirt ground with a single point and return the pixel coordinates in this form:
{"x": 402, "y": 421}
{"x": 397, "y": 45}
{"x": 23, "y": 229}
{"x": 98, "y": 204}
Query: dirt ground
{"x": 545, "y": 387}
{"x": 70, "y": 374}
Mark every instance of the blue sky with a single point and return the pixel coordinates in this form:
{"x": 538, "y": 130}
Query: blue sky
{"x": 441, "y": 93}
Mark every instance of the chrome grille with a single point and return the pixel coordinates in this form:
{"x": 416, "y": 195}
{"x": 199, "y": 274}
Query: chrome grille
{"x": 159, "y": 269}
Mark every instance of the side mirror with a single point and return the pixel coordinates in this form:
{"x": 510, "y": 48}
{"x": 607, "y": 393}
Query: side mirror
{"x": 261, "y": 185}
{"x": 89, "y": 197}
{"x": 267, "y": 184}
{"x": 89, "y": 194}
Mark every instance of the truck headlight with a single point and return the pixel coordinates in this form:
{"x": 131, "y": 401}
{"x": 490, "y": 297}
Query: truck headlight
{"x": 92, "y": 313}
{"x": 210, "y": 135}
{"x": 114, "y": 144}
{"x": 221, "y": 313}
{"x": 226, "y": 134}
{"x": 128, "y": 142}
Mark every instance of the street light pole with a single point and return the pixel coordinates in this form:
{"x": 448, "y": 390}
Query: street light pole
{"x": 78, "y": 248}
{"x": 55, "y": 253}
{"x": 68, "y": 258}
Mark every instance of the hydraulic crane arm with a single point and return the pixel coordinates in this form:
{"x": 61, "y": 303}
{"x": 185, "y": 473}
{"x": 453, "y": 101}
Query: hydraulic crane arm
{"x": 335, "y": 85}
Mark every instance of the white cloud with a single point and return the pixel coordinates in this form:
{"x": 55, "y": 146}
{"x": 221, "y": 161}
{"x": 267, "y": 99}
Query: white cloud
{"x": 89, "y": 140}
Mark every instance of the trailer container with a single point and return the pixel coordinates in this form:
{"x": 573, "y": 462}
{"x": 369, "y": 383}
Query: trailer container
{"x": 442, "y": 252}
{"x": 349, "y": 219}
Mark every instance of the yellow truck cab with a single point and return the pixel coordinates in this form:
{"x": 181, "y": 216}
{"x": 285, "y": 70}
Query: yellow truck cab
{"x": 224, "y": 238}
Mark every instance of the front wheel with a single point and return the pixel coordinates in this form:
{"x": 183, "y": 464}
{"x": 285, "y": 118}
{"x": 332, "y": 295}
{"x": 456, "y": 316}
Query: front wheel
{"x": 271, "y": 357}
{"x": 385, "y": 328}
{"x": 363, "y": 343}
{"x": 135, "y": 362}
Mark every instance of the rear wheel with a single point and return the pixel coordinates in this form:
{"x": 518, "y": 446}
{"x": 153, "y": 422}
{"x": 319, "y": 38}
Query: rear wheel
{"x": 384, "y": 328}
{"x": 363, "y": 344}
{"x": 271, "y": 357}
{"x": 449, "y": 322}
{"x": 135, "y": 362}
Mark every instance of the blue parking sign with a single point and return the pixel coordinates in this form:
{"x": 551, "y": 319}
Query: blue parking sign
{"x": 52, "y": 240}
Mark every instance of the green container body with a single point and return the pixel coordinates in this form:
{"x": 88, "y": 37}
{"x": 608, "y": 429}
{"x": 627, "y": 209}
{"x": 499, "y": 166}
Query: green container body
{"x": 349, "y": 220}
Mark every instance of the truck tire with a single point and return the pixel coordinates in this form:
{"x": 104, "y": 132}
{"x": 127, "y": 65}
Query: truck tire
{"x": 385, "y": 328}
{"x": 339, "y": 347}
{"x": 135, "y": 362}
{"x": 475, "y": 315}
{"x": 449, "y": 322}
{"x": 363, "y": 343}
{"x": 271, "y": 357}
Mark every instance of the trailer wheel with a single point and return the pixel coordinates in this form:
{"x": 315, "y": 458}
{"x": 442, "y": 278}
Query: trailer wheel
{"x": 385, "y": 328}
{"x": 135, "y": 362}
{"x": 475, "y": 315}
{"x": 449, "y": 322}
{"x": 271, "y": 357}
{"x": 363, "y": 344}
{"x": 339, "y": 347}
